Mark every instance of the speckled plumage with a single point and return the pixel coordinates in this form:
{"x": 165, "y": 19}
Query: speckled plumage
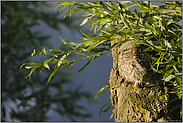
{"x": 132, "y": 63}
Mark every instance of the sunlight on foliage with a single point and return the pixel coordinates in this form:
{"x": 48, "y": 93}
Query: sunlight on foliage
{"x": 157, "y": 27}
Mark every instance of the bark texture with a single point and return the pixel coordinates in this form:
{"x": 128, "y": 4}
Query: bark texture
{"x": 149, "y": 105}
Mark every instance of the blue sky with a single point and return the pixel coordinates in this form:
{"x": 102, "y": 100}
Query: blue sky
{"x": 93, "y": 78}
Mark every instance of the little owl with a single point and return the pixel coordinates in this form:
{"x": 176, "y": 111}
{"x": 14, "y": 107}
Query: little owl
{"x": 132, "y": 63}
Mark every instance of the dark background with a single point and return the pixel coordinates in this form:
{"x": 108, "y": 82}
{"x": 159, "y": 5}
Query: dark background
{"x": 92, "y": 79}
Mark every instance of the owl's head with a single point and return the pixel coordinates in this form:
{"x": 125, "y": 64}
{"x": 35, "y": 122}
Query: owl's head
{"x": 127, "y": 49}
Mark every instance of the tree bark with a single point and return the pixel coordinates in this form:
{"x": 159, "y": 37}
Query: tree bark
{"x": 149, "y": 105}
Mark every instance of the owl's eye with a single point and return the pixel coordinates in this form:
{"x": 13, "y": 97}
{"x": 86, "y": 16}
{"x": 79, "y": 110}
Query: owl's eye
{"x": 125, "y": 50}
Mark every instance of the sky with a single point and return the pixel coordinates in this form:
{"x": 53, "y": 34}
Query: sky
{"x": 93, "y": 77}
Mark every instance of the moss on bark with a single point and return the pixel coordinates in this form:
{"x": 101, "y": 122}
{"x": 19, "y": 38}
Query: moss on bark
{"x": 149, "y": 105}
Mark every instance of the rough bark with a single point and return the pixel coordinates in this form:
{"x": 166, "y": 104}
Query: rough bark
{"x": 150, "y": 104}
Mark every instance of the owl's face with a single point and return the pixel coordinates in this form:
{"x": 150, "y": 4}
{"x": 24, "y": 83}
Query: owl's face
{"x": 127, "y": 50}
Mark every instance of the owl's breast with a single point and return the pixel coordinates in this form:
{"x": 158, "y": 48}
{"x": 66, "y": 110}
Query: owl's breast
{"x": 131, "y": 70}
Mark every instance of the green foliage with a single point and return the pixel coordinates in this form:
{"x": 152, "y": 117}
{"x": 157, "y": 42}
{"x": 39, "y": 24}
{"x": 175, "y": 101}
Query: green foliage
{"x": 109, "y": 106}
{"x": 157, "y": 27}
{"x": 102, "y": 90}
{"x": 23, "y": 100}
{"x": 62, "y": 64}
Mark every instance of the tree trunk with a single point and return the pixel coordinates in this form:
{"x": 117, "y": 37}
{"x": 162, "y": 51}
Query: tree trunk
{"x": 149, "y": 105}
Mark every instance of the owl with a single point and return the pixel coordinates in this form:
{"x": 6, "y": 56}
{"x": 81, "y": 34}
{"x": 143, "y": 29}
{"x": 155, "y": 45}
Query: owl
{"x": 132, "y": 63}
